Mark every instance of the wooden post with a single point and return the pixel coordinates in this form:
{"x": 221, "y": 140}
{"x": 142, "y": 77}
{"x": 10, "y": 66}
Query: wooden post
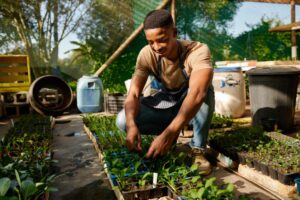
{"x": 173, "y": 10}
{"x": 126, "y": 43}
{"x": 294, "y": 41}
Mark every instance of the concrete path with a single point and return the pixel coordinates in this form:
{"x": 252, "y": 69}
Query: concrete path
{"x": 78, "y": 163}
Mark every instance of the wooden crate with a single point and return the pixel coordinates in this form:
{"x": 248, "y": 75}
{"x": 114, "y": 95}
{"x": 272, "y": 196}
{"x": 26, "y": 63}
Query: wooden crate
{"x": 114, "y": 103}
{"x": 14, "y": 73}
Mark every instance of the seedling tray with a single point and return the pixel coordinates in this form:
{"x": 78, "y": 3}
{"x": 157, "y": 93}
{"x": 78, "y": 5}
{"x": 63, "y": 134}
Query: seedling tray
{"x": 285, "y": 178}
{"x": 145, "y": 194}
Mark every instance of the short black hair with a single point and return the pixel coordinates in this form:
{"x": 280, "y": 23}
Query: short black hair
{"x": 158, "y": 19}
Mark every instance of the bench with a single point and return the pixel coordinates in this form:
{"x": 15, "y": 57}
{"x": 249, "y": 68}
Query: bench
{"x": 15, "y": 80}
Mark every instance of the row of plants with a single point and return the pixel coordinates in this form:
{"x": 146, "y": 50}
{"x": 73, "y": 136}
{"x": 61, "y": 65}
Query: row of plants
{"x": 25, "y": 154}
{"x": 221, "y": 121}
{"x": 277, "y": 158}
{"x": 134, "y": 175}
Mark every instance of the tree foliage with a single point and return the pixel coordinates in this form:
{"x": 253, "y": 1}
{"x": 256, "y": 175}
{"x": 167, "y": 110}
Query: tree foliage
{"x": 262, "y": 45}
{"x": 40, "y": 26}
{"x": 207, "y": 22}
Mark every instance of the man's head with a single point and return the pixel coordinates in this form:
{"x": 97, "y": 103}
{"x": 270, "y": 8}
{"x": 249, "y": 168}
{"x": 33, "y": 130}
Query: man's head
{"x": 158, "y": 19}
{"x": 161, "y": 33}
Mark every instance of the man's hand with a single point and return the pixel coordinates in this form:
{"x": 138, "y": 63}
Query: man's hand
{"x": 161, "y": 144}
{"x": 133, "y": 139}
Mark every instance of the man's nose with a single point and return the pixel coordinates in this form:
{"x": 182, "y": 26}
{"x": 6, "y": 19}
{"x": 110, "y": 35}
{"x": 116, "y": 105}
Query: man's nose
{"x": 156, "y": 46}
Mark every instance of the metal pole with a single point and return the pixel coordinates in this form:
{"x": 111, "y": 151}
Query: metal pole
{"x": 294, "y": 40}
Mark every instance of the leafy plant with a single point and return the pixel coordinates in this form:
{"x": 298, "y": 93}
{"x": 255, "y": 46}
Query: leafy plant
{"x": 26, "y": 158}
{"x": 133, "y": 171}
{"x": 4, "y": 186}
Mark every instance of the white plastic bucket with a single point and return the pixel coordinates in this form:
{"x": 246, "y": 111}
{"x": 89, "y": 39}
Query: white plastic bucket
{"x": 230, "y": 92}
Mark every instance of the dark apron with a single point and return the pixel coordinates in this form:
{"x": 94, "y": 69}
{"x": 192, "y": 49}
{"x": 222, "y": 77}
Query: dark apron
{"x": 164, "y": 98}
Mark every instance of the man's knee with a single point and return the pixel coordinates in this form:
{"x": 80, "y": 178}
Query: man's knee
{"x": 121, "y": 120}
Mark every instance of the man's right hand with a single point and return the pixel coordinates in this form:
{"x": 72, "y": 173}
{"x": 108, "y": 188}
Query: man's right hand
{"x": 133, "y": 139}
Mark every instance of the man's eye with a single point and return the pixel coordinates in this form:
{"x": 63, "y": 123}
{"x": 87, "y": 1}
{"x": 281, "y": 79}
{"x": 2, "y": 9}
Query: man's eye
{"x": 163, "y": 40}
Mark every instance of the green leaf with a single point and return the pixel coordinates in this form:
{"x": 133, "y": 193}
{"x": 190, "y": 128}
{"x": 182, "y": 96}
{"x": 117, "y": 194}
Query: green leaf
{"x": 18, "y": 177}
{"x": 39, "y": 184}
{"x": 4, "y": 185}
{"x": 51, "y": 189}
{"x": 195, "y": 179}
{"x": 194, "y": 167}
{"x": 230, "y": 187}
{"x": 200, "y": 193}
{"x": 210, "y": 182}
{"x": 51, "y": 177}
{"x": 193, "y": 194}
{"x": 221, "y": 192}
{"x": 28, "y": 188}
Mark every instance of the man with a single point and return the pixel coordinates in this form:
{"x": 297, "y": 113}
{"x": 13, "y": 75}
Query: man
{"x": 185, "y": 71}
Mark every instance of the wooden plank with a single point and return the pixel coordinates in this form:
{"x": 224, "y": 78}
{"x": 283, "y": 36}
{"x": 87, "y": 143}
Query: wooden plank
{"x": 24, "y": 84}
{"x": 14, "y": 69}
{"x": 14, "y": 89}
{"x": 7, "y": 79}
{"x": 13, "y": 59}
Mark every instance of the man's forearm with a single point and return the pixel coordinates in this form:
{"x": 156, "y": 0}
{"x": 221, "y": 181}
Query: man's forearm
{"x": 131, "y": 110}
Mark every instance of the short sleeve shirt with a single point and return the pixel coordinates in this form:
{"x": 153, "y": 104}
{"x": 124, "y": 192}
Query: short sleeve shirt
{"x": 195, "y": 56}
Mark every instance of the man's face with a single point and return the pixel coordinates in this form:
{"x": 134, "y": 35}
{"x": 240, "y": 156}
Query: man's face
{"x": 162, "y": 41}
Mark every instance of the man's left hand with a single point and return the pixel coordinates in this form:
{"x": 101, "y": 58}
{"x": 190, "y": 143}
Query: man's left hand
{"x": 161, "y": 144}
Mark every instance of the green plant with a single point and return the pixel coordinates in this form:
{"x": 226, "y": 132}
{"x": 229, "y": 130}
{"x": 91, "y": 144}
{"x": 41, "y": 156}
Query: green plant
{"x": 145, "y": 178}
{"x": 73, "y": 85}
{"x": 26, "y": 158}
{"x": 4, "y": 186}
{"x": 133, "y": 171}
{"x": 221, "y": 121}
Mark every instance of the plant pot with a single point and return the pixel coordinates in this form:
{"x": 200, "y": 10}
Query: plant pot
{"x": 175, "y": 196}
{"x": 256, "y": 165}
{"x": 249, "y": 162}
{"x": 264, "y": 169}
{"x": 287, "y": 179}
{"x": 232, "y": 154}
{"x": 273, "y": 173}
{"x": 241, "y": 158}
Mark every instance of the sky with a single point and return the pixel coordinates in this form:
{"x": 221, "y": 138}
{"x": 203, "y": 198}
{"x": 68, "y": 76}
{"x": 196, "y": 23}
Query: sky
{"x": 248, "y": 13}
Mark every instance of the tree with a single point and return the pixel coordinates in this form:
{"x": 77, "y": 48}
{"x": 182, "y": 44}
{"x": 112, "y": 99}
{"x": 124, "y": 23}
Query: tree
{"x": 260, "y": 44}
{"x": 41, "y": 25}
{"x": 207, "y": 21}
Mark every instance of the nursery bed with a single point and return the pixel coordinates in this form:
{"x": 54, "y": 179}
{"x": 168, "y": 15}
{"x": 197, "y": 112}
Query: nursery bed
{"x": 150, "y": 193}
{"x": 272, "y": 186}
{"x": 169, "y": 194}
